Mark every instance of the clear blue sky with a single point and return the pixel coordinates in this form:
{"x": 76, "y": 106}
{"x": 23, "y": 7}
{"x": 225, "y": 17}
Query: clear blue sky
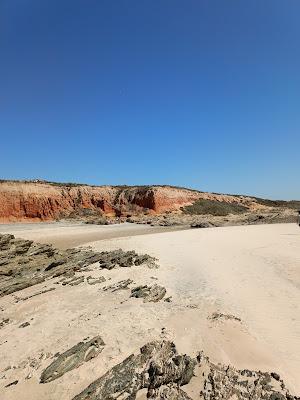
{"x": 198, "y": 93}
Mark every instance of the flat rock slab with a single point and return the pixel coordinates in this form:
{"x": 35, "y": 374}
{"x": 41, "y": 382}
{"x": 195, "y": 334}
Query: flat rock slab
{"x": 121, "y": 285}
{"x": 73, "y": 358}
{"x": 94, "y": 281}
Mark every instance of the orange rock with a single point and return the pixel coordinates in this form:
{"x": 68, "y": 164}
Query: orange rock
{"x": 43, "y": 201}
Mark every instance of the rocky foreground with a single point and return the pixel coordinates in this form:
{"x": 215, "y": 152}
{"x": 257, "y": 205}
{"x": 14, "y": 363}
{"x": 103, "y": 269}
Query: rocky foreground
{"x": 157, "y": 371}
{"x": 24, "y": 263}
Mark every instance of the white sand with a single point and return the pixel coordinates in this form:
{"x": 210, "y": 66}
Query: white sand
{"x": 69, "y": 234}
{"x": 252, "y": 272}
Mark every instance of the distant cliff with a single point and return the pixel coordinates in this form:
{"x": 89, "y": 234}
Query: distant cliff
{"x": 45, "y": 201}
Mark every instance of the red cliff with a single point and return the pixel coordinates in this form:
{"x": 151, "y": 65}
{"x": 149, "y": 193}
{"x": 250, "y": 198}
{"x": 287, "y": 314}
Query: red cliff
{"x": 42, "y": 201}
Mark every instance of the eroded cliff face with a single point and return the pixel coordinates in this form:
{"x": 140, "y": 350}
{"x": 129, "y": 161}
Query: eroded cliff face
{"x": 41, "y": 201}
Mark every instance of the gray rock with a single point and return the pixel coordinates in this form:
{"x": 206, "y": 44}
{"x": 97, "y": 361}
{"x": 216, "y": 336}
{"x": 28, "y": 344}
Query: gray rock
{"x": 201, "y": 225}
{"x": 73, "y": 358}
{"x": 218, "y": 316}
{"x": 170, "y": 392}
{"x": 12, "y": 384}
{"x": 121, "y": 285}
{"x": 25, "y": 263}
{"x": 226, "y": 382}
{"x": 149, "y": 293}
{"x": 93, "y": 281}
{"x": 156, "y": 366}
{"x": 4, "y": 322}
{"x": 24, "y": 325}
{"x": 120, "y": 258}
{"x": 73, "y": 281}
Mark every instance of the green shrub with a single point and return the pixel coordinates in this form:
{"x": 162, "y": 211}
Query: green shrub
{"x": 294, "y": 204}
{"x": 213, "y": 207}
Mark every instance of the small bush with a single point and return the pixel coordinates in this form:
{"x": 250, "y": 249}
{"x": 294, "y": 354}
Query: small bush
{"x": 294, "y": 204}
{"x": 214, "y": 207}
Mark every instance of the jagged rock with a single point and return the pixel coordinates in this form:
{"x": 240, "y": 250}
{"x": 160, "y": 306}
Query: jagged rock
{"x": 24, "y": 325}
{"x": 217, "y": 316}
{"x": 170, "y": 392}
{"x": 275, "y": 376}
{"x": 93, "y": 281}
{"x": 168, "y": 299}
{"x": 5, "y": 240}
{"x": 149, "y": 293}
{"x": 225, "y": 382}
{"x": 25, "y": 263}
{"x": 74, "y": 281}
{"x": 120, "y": 258}
{"x": 157, "y": 365}
{"x": 73, "y": 358}
{"x": 201, "y": 225}
{"x": 4, "y": 322}
{"x": 12, "y": 384}
{"x": 119, "y": 285}
{"x": 97, "y": 221}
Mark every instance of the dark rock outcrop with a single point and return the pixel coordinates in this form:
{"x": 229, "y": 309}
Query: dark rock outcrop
{"x": 94, "y": 281}
{"x": 217, "y": 316}
{"x": 149, "y": 293}
{"x": 12, "y": 384}
{"x": 4, "y": 322}
{"x": 73, "y": 358}
{"x": 24, "y": 263}
{"x": 120, "y": 258}
{"x": 163, "y": 373}
{"x": 226, "y": 382}
{"x": 24, "y": 325}
{"x": 121, "y": 285}
{"x": 157, "y": 367}
{"x": 201, "y": 225}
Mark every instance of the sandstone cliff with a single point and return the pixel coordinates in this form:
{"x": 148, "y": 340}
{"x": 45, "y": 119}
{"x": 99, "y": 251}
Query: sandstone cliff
{"x": 43, "y": 201}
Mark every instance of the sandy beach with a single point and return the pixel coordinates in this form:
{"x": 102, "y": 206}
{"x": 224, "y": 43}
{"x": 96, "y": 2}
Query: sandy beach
{"x": 64, "y": 235}
{"x": 234, "y": 293}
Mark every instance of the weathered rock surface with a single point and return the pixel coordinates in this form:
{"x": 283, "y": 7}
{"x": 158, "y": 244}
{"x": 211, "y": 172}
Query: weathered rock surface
{"x": 73, "y": 358}
{"x": 4, "y": 322}
{"x": 94, "y": 281}
{"x": 225, "y": 382}
{"x": 12, "y": 384}
{"x": 149, "y": 293}
{"x": 156, "y": 367}
{"x": 121, "y": 285}
{"x": 217, "y": 316}
{"x": 24, "y": 324}
{"x": 163, "y": 373}
{"x": 252, "y": 217}
{"x": 120, "y": 258}
{"x": 24, "y": 263}
{"x": 201, "y": 225}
